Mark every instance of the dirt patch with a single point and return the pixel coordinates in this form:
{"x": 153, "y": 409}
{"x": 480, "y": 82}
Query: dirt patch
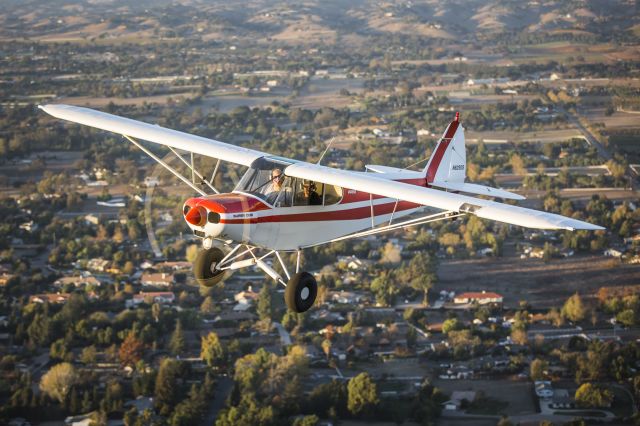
{"x": 518, "y": 395}
{"x": 541, "y": 284}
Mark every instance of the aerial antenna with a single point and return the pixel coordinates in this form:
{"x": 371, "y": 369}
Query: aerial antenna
{"x": 325, "y": 150}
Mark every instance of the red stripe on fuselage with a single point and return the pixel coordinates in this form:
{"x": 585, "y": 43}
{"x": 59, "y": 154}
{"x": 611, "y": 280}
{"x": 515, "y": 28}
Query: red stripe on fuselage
{"x": 347, "y": 214}
{"x": 440, "y": 150}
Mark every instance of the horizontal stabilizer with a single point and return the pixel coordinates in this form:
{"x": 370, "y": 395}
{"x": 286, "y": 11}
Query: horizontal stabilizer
{"x": 473, "y": 188}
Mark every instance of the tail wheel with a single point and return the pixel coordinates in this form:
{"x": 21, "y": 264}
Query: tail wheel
{"x": 204, "y": 267}
{"x": 301, "y": 292}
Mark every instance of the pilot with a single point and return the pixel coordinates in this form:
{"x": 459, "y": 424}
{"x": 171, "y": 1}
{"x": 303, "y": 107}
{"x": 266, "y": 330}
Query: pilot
{"x": 275, "y": 187}
{"x": 310, "y": 194}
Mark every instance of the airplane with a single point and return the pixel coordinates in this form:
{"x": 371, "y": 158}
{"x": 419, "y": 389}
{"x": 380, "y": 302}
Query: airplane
{"x": 286, "y": 205}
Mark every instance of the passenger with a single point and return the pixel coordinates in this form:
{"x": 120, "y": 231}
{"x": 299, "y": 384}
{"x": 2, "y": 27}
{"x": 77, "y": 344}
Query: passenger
{"x": 310, "y": 194}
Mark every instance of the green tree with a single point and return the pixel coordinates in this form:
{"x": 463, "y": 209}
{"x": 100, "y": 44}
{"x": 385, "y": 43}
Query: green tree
{"x": 168, "y": 390}
{"x": 177, "y": 344}
{"x": 208, "y": 307}
{"x": 573, "y": 309}
{"x": 212, "y": 351}
{"x": 362, "y": 394}
{"x": 265, "y": 308}
{"x": 537, "y": 369}
{"x": 593, "y": 396}
{"x": 59, "y": 380}
{"x": 451, "y": 324}
{"x": 385, "y": 288}
{"x": 247, "y": 412}
{"x": 311, "y": 420}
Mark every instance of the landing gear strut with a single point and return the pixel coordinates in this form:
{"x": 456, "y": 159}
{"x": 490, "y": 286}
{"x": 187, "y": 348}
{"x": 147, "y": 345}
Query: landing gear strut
{"x": 211, "y": 264}
{"x": 301, "y": 292}
{"x": 204, "y": 268}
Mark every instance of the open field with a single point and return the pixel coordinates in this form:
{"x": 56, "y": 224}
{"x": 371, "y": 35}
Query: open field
{"x": 518, "y": 395}
{"x": 541, "y": 284}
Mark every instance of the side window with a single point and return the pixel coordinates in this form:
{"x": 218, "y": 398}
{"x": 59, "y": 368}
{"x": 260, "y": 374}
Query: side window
{"x": 307, "y": 193}
{"x": 332, "y": 194}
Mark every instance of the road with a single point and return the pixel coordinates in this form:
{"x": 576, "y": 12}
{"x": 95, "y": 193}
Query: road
{"x": 602, "y": 151}
{"x": 223, "y": 388}
{"x": 593, "y": 141}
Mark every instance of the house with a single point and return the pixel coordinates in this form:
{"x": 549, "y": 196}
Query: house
{"x": 77, "y": 281}
{"x": 161, "y": 297}
{"x": 57, "y": 298}
{"x": 151, "y": 181}
{"x": 173, "y": 266}
{"x": 235, "y": 316}
{"x": 613, "y": 252}
{"x": 246, "y": 297}
{"x": 457, "y": 397}
{"x": 543, "y": 389}
{"x": 352, "y": 262}
{"x": 97, "y": 264}
{"x": 5, "y": 278}
{"x": 141, "y": 403}
{"x": 482, "y": 298}
{"x": 160, "y": 279}
{"x": 345, "y": 297}
{"x": 561, "y": 399}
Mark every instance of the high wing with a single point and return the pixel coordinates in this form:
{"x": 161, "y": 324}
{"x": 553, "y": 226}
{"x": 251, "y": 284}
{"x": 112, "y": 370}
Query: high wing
{"x": 154, "y": 133}
{"x": 365, "y": 182}
{"x": 486, "y": 209}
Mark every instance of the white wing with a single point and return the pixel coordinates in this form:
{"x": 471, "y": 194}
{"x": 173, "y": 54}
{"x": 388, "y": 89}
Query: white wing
{"x": 370, "y": 183}
{"x": 153, "y": 133}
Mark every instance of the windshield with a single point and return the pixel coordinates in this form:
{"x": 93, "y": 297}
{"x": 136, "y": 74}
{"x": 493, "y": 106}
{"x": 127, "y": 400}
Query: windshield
{"x": 265, "y": 179}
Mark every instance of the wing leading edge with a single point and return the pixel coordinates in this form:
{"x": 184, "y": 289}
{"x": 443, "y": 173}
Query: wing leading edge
{"x": 486, "y": 209}
{"x": 153, "y": 133}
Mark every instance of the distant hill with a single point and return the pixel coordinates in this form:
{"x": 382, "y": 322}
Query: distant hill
{"x": 313, "y": 21}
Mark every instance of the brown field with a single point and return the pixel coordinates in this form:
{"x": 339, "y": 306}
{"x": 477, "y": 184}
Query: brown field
{"x": 102, "y": 102}
{"x": 541, "y": 284}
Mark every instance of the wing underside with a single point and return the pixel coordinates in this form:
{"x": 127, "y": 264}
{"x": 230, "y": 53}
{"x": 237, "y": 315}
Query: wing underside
{"x": 153, "y": 133}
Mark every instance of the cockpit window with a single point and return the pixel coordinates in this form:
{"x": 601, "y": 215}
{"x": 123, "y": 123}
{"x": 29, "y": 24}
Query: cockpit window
{"x": 266, "y": 180}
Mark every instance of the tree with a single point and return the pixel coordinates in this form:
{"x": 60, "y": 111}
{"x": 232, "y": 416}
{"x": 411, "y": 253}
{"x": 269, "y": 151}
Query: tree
{"x": 593, "y": 396}
{"x": 451, "y": 324}
{"x": 88, "y": 355}
{"x": 208, "y": 307}
{"x": 265, "y": 308}
{"x": 192, "y": 252}
{"x": 131, "y": 350}
{"x": 537, "y": 369}
{"x": 156, "y": 310}
{"x": 391, "y": 254}
{"x": 59, "y": 380}
{"x": 574, "y": 309}
{"x": 311, "y": 420}
{"x": 177, "y": 344}
{"x": 212, "y": 351}
{"x": 168, "y": 389}
{"x": 517, "y": 165}
{"x": 384, "y": 288}
{"x": 362, "y": 394}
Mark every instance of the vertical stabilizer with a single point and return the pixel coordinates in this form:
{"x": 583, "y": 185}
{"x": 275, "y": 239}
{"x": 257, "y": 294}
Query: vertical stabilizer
{"x": 448, "y": 163}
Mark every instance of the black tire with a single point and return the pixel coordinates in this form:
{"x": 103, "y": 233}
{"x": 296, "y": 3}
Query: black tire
{"x": 301, "y": 292}
{"x": 204, "y": 264}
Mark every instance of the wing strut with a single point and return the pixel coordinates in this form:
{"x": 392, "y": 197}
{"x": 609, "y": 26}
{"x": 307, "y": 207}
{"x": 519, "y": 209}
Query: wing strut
{"x": 165, "y": 165}
{"x": 447, "y": 215}
{"x": 194, "y": 172}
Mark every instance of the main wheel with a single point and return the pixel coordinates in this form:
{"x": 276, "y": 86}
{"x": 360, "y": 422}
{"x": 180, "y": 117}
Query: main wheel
{"x": 301, "y": 292}
{"x": 204, "y": 267}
